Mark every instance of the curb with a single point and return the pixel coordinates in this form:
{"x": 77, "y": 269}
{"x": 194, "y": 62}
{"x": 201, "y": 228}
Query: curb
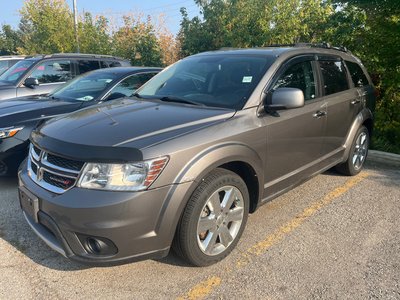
{"x": 384, "y": 157}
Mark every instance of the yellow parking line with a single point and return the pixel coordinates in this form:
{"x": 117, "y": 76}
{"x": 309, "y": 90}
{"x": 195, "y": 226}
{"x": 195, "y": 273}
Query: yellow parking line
{"x": 204, "y": 288}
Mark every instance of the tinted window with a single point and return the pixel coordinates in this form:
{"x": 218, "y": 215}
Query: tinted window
{"x": 213, "y": 80}
{"x": 114, "y": 63}
{"x": 334, "y": 76}
{"x": 3, "y": 66}
{"x": 53, "y": 71}
{"x": 299, "y": 76}
{"x": 14, "y": 73}
{"x": 357, "y": 74}
{"x": 87, "y": 65}
{"x": 129, "y": 85}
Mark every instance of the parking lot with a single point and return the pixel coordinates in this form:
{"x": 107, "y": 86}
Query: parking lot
{"x": 333, "y": 237}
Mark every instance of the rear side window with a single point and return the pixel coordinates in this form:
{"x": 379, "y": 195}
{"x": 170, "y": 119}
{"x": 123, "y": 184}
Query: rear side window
{"x": 129, "y": 85}
{"x": 357, "y": 74}
{"x": 87, "y": 65}
{"x": 51, "y": 71}
{"x": 334, "y": 76}
{"x": 300, "y": 76}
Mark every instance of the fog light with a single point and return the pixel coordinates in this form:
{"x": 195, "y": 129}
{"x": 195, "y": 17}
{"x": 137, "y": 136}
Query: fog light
{"x": 97, "y": 245}
{"x": 94, "y": 245}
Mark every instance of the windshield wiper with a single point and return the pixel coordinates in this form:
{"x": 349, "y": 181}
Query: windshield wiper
{"x": 180, "y": 100}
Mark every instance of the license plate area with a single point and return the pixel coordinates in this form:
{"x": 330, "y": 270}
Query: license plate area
{"x": 29, "y": 203}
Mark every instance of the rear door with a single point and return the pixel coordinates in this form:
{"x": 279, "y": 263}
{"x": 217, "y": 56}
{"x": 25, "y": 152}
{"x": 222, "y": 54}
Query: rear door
{"x": 295, "y": 137}
{"x": 341, "y": 103}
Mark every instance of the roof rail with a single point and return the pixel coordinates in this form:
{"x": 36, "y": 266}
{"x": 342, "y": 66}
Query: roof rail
{"x": 83, "y": 55}
{"x": 313, "y": 45}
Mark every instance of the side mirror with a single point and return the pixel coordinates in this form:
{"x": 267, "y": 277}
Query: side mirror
{"x": 31, "y": 82}
{"x": 285, "y": 98}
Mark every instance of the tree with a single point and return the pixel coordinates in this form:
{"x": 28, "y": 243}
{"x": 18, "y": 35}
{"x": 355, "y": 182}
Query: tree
{"x": 10, "y": 40}
{"x": 137, "y": 41}
{"x": 47, "y": 27}
{"x": 94, "y": 35}
{"x": 252, "y": 23}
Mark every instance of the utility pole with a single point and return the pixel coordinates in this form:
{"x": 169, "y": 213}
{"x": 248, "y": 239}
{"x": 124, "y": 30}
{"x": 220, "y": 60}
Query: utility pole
{"x": 76, "y": 26}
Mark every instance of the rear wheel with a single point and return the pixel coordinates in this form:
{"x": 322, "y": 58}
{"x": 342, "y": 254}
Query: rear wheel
{"x": 214, "y": 219}
{"x": 358, "y": 153}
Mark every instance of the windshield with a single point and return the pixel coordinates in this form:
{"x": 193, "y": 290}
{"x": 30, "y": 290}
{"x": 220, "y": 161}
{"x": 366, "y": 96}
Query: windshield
{"x": 13, "y": 74}
{"x": 214, "y": 80}
{"x": 86, "y": 87}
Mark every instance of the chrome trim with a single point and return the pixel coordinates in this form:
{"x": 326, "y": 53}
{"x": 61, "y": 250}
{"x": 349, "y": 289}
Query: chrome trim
{"x": 50, "y": 165}
{"x": 44, "y": 166}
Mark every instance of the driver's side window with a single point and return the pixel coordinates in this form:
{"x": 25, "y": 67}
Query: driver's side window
{"x": 300, "y": 76}
{"x": 52, "y": 71}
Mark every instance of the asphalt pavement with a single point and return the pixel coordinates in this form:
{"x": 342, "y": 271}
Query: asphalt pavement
{"x": 333, "y": 237}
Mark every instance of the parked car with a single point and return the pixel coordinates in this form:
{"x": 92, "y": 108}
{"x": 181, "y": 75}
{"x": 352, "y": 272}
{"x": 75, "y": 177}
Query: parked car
{"x": 7, "y": 61}
{"x": 19, "y": 116}
{"x": 44, "y": 73}
{"x": 200, "y": 146}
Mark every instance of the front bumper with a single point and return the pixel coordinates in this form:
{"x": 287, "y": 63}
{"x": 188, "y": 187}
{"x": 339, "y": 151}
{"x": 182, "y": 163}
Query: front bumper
{"x": 140, "y": 225}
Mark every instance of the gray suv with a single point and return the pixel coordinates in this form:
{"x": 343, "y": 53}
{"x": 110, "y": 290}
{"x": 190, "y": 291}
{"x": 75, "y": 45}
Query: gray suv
{"x": 42, "y": 74}
{"x": 200, "y": 146}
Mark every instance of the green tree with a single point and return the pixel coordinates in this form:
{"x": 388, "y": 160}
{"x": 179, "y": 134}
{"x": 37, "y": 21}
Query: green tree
{"x": 47, "y": 27}
{"x": 10, "y": 40}
{"x": 252, "y": 23}
{"x": 94, "y": 36}
{"x": 137, "y": 41}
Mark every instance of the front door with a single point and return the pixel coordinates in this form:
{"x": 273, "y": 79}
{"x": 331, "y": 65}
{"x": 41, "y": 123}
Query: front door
{"x": 50, "y": 74}
{"x": 295, "y": 137}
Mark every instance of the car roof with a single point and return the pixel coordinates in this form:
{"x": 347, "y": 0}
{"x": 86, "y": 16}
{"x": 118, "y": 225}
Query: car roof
{"x": 125, "y": 70}
{"x": 287, "y": 50}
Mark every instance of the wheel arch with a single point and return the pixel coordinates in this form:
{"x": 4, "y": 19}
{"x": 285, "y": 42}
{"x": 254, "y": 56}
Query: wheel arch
{"x": 236, "y": 157}
{"x": 364, "y": 118}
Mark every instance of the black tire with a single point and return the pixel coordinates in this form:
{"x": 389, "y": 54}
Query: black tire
{"x": 358, "y": 148}
{"x": 188, "y": 243}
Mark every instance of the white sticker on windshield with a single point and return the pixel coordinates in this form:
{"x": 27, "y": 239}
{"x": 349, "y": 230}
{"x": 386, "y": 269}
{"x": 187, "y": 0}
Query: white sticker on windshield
{"x": 108, "y": 80}
{"x": 247, "y": 79}
{"x": 86, "y": 98}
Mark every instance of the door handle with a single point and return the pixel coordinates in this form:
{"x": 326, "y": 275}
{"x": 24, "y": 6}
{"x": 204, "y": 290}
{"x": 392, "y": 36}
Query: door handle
{"x": 355, "y": 101}
{"x": 318, "y": 114}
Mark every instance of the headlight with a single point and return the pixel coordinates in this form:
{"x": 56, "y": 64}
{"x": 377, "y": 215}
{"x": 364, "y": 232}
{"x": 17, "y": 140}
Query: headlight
{"x": 122, "y": 177}
{"x": 9, "y": 132}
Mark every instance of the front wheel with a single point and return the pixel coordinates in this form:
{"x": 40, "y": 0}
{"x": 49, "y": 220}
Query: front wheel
{"x": 358, "y": 153}
{"x": 214, "y": 219}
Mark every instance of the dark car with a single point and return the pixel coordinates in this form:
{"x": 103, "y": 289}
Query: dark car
{"x": 44, "y": 73}
{"x": 200, "y": 146}
{"x": 19, "y": 116}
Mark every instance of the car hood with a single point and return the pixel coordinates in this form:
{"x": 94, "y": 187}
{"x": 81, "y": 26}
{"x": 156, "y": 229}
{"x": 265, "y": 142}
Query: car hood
{"x": 129, "y": 123}
{"x": 20, "y": 110}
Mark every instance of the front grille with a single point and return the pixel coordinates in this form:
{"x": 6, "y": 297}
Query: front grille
{"x": 61, "y": 182}
{"x": 37, "y": 150}
{"x": 52, "y": 172}
{"x": 65, "y": 163}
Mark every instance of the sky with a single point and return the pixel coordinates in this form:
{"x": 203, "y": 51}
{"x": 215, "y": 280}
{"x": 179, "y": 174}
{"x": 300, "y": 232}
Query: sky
{"x": 113, "y": 9}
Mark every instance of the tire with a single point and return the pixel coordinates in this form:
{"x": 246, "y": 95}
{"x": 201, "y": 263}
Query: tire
{"x": 208, "y": 230}
{"x": 357, "y": 155}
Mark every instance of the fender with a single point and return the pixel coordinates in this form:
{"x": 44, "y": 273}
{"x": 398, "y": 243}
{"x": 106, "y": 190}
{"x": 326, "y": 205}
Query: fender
{"x": 362, "y": 116}
{"x": 196, "y": 170}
